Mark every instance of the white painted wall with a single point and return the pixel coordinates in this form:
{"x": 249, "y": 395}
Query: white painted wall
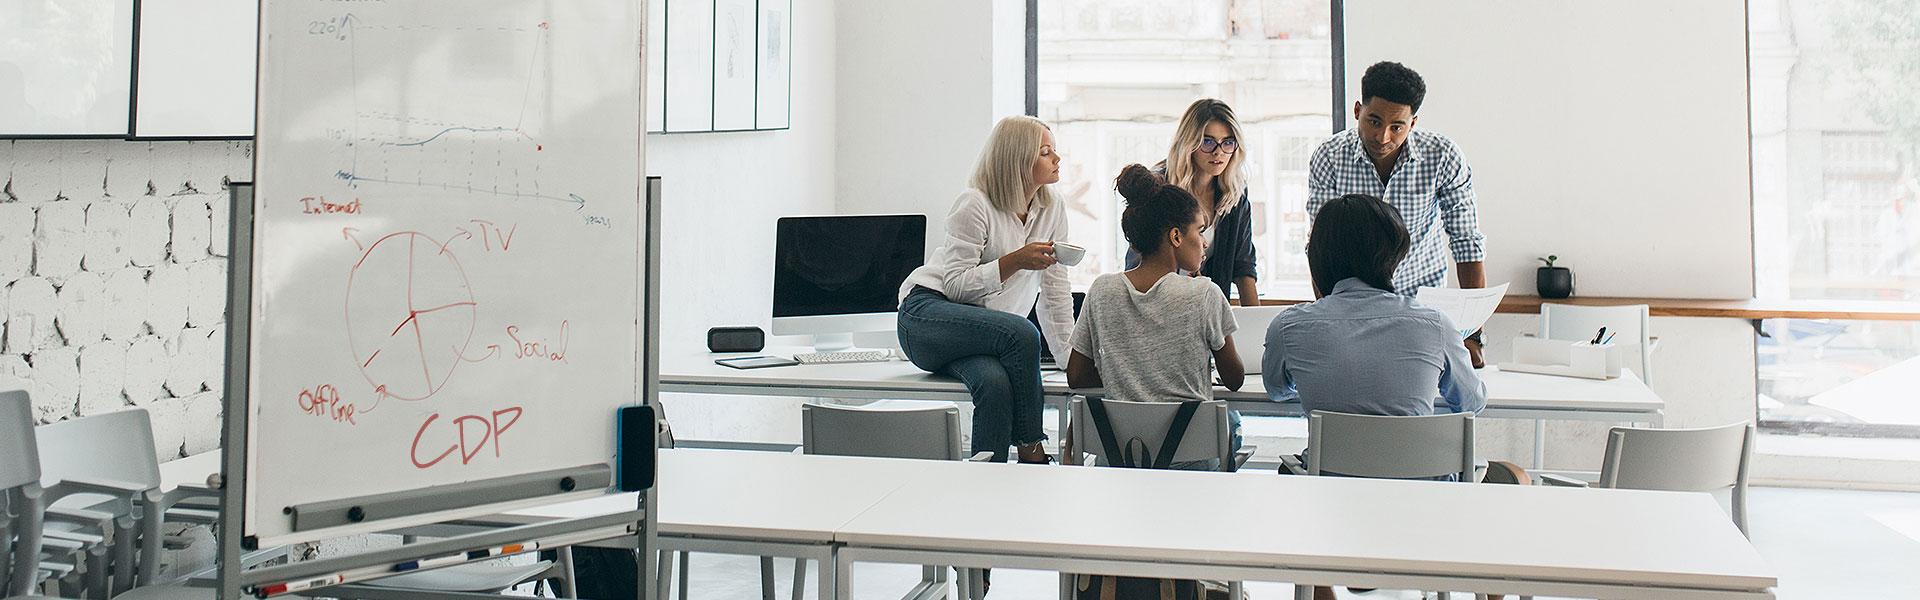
{"x": 723, "y": 192}
{"x": 916, "y": 99}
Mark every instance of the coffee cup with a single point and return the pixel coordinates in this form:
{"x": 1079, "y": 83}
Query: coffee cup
{"x": 1068, "y": 254}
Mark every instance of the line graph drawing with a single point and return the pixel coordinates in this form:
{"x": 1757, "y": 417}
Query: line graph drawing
{"x": 410, "y": 316}
{"x": 478, "y": 148}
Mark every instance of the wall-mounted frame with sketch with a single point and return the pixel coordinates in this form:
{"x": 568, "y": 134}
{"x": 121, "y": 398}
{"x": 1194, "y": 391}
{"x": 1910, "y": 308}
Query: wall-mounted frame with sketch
{"x": 719, "y": 65}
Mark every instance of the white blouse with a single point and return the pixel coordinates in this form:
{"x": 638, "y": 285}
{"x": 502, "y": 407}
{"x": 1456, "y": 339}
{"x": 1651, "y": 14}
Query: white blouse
{"x": 965, "y": 268}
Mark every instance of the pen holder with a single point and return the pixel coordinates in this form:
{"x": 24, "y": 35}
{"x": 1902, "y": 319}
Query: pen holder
{"x": 1562, "y": 357}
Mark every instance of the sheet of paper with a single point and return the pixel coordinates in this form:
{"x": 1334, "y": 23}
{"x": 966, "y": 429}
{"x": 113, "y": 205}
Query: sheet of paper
{"x": 1468, "y": 308}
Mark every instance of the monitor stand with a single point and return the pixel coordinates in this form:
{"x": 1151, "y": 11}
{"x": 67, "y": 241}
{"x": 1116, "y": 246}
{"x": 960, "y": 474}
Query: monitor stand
{"x": 832, "y": 342}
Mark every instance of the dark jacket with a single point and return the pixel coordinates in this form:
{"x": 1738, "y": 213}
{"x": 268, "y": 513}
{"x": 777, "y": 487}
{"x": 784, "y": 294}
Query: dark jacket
{"x": 1232, "y": 255}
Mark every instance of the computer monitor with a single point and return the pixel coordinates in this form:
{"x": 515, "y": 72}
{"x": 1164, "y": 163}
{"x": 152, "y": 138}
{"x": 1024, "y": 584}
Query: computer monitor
{"x": 833, "y": 276}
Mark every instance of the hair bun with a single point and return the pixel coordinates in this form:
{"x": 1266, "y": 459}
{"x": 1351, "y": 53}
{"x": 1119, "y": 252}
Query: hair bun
{"x": 1136, "y": 183}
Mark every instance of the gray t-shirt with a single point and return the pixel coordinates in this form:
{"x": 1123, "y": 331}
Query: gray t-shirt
{"x": 1154, "y": 346}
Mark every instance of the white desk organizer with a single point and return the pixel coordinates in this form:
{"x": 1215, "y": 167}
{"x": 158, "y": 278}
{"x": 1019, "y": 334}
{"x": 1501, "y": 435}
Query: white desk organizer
{"x": 1565, "y": 358}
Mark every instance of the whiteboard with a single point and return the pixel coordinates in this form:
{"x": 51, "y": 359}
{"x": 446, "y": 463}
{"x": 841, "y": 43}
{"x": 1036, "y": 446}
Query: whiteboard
{"x": 445, "y": 248}
{"x": 65, "y": 67}
{"x": 1625, "y": 155}
{"x": 196, "y": 67}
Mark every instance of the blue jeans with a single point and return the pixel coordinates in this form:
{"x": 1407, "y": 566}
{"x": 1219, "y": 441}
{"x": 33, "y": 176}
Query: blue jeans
{"x": 996, "y": 354}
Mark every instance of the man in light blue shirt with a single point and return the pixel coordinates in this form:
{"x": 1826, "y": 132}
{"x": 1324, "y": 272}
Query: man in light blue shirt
{"x": 1361, "y": 348}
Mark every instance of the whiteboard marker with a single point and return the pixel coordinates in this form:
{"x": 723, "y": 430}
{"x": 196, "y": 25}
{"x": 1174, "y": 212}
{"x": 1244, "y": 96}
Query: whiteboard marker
{"x": 428, "y": 563}
{"x": 295, "y": 586}
{"x": 504, "y": 550}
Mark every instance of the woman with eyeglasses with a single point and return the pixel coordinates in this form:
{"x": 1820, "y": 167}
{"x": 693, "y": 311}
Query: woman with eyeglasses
{"x": 1206, "y": 160}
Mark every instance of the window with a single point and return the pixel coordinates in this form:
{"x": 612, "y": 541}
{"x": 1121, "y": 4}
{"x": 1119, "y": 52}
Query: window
{"x": 1115, "y": 75}
{"x": 1836, "y": 138}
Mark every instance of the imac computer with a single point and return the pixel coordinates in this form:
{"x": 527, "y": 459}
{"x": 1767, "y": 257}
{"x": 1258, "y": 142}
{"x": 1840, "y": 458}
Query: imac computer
{"x": 833, "y": 276}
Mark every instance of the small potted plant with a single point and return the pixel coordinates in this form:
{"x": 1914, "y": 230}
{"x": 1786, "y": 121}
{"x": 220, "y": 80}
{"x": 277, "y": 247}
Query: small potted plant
{"x": 1554, "y": 282}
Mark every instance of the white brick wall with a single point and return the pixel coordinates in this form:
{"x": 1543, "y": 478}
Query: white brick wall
{"x": 113, "y": 279}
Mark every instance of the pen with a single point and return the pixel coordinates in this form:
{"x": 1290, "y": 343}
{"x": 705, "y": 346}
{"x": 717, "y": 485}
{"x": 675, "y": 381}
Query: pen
{"x": 1596, "y": 336}
{"x": 1609, "y": 339}
{"x": 428, "y": 563}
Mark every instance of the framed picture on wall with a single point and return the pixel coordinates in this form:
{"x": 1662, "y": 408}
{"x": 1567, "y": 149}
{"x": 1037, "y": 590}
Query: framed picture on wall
{"x": 656, "y": 49}
{"x": 776, "y": 65}
{"x": 719, "y": 65}
{"x": 733, "y": 64}
{"x": 689, "y": 59}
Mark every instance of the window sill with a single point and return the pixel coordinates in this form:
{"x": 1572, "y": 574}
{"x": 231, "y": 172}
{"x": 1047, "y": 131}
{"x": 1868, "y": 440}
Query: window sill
{"x": 1852, "y": 310}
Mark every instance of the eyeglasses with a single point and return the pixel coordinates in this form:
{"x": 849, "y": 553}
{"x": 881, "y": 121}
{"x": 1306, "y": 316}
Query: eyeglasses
{"x": 1209, "y": 146}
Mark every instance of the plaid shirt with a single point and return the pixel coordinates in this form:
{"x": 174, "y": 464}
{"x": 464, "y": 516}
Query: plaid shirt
{"x": 1431, "y": 186}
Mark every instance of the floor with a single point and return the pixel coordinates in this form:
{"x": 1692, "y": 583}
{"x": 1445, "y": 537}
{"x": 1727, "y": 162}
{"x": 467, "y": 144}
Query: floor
{"x": 1827, "y": 544}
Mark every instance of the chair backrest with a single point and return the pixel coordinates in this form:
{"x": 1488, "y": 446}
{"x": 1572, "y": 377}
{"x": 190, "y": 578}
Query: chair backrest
{"x": 1684, "y": 460}
{"x": 1208, "y": 435}
{"x": 1628, "y": 324}
{"x": 1390, "y": 447}
{"x": 116, "y": 446}
{"x": 19, "y": 495}
{"x": 887, "y": 428}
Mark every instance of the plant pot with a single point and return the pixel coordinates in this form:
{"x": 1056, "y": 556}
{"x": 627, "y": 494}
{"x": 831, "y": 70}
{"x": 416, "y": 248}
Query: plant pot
{"x": 1554, "y": 282}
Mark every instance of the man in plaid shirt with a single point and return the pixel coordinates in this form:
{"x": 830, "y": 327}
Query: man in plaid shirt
{"x": 1420, "y": 173}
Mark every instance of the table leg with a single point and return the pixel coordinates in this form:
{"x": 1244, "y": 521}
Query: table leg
{"x": 766, "y": 578}
{"x": 1539, "y": 444}
{"x": 837, "y": 584}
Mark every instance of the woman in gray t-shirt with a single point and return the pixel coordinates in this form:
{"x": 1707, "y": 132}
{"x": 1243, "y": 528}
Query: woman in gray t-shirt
{"x": 1146, "y": 334}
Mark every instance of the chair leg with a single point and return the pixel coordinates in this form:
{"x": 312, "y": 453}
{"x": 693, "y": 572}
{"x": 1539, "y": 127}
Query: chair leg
{"x": 800, "y": 579}
{"x": 766, "y": 578}
{"x": 686, "y": 561}
{"x": 663, "y": 580}
{"x": 567, "y": 588}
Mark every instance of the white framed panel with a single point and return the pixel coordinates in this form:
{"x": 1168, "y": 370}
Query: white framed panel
{"x": 656, "y": 99}
{"x": 689, "y": 58}
{"x": 734, "y": 64}
{"x": 196, "y": 68}
{"x": 775, "y": 47}
{"x": 1628, "y": 157}
{"x": 66, "y": 67}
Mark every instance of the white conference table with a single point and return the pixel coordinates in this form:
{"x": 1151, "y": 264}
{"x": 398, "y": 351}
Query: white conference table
{"x": 1313, "y": 530}
{"x": 1624, "y": 399}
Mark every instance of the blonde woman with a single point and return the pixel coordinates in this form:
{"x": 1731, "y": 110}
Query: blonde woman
{"x": 964, "y": 313}
{"x": 1207, "y": 160}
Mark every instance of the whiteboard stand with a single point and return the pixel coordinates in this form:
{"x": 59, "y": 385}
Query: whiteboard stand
{"x": 234, "y": 583}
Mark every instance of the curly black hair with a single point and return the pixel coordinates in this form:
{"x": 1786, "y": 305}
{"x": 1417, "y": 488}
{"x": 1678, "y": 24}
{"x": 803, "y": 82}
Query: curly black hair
{"x": 1153, "y": 208}
{"x": 1394, "y": 82}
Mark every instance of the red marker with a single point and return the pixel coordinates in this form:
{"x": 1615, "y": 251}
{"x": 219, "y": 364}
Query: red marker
{"x": 295, "y": 586}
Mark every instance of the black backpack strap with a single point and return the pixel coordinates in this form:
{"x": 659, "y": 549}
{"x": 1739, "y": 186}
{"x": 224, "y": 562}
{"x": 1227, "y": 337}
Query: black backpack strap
{"x": 1098, "y": 410}
{"x": 1176, "y": 431}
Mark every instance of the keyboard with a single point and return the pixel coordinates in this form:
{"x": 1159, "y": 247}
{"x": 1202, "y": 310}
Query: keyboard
{"x": 854, "y": 356}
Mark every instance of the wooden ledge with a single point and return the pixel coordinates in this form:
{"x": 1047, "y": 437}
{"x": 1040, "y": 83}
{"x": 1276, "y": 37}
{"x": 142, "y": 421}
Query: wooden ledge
{"x": 1851, "y": 310}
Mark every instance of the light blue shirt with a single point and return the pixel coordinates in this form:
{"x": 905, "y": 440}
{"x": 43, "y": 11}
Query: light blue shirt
{"x": 1369, "y": 351}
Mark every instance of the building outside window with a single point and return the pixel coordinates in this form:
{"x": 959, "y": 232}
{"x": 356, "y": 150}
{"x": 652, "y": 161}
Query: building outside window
{"x": 1836, "y": 138}
{"x": 1115, "y": 75}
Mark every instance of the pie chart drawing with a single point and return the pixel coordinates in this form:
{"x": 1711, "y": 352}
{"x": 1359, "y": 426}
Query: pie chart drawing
{"x": 410, "y": 315}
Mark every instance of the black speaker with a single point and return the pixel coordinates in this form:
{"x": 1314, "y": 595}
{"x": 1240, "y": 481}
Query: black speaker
{"x": 736, "y": 339}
